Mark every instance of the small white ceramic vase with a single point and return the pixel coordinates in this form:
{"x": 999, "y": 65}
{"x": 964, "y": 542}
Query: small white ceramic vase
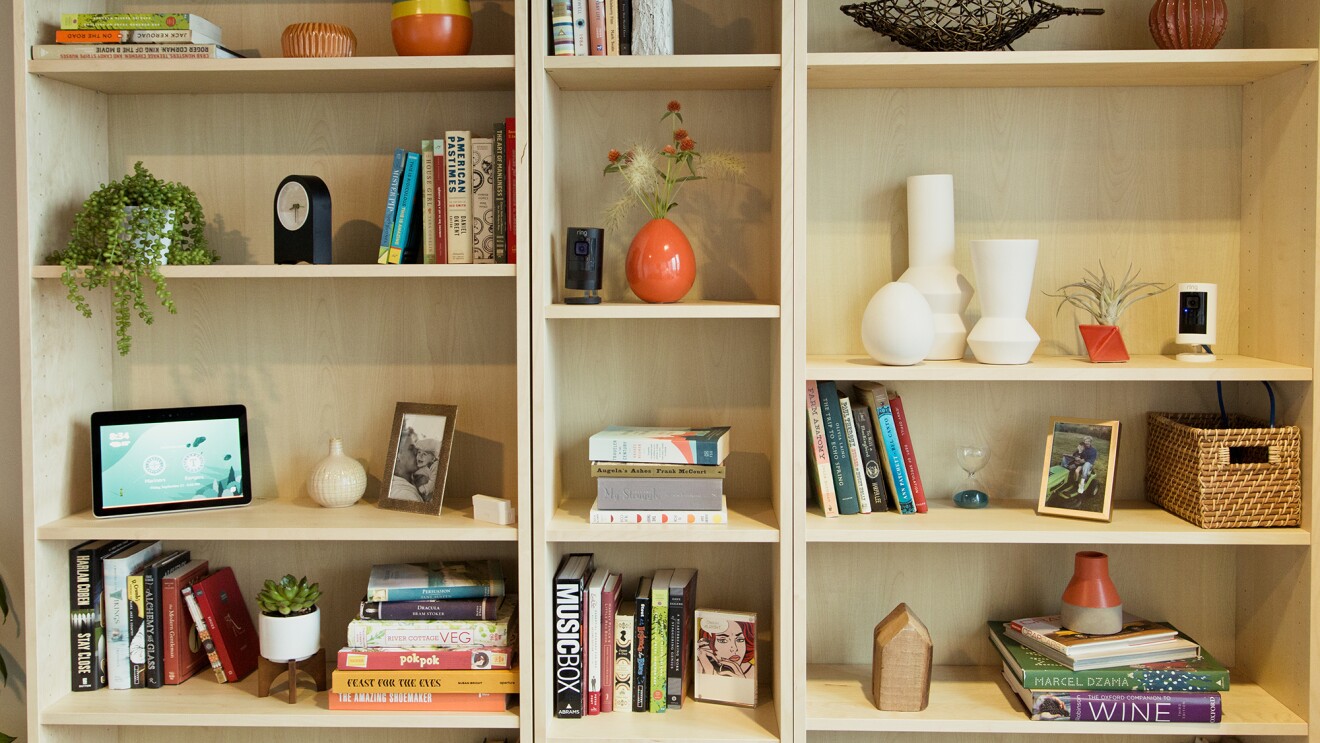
{"x": 1004, "y": 273}
{"x": 930, "y": 262}
{"x": 162, "y": 253}
{"x": 897, "y": 328}
{"x": 338, "y": 480}
{"x": 289, "y": 638}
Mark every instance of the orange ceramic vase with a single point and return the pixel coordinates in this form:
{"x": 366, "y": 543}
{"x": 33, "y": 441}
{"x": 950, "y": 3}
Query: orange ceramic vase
{"x": 424, "y": 28}
{"x": 661, "y": 266}
{"x": 1104, "y": 343}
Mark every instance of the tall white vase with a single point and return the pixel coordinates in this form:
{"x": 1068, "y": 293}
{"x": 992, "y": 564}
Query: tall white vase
{"x": 930, "y": 262}
{"x": 1004, "y": 272}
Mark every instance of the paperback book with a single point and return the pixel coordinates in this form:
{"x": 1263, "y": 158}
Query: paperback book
{"x": 418, "y": 702}
{"x": 393, "y": 633}
{"x": 660, "y": 445}
{"x": 598, "y": 515}
{"x": 659, "y": 493}
{"x": 439, "y": 659}
{"x": 434, "y": 681}
{"x": 437, "y": 580}
{"x": 483, "y": 608}
{"x": 1117, "y": 706}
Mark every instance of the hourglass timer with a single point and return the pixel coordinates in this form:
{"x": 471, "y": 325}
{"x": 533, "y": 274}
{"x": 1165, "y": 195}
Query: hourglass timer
{"x": 972, "y": 457}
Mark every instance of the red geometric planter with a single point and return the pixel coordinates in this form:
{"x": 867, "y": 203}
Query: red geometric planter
{"x": 1104, "y": 343}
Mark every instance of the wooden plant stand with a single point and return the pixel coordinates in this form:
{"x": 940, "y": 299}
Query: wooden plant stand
{"x": 269, "y": 670}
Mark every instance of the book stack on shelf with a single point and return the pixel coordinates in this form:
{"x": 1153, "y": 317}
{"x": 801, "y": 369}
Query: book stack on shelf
{"x": 659, "y": 475}
{"x": 617, "y": 654}
{"x": 859, "y": 451}
{"x": 452, "y": 202}
{"x": 1147, "y": 672}
{"x": 135, "y": 36}
{"x": 581, "y": 28}
{"x": 430, "y": 637}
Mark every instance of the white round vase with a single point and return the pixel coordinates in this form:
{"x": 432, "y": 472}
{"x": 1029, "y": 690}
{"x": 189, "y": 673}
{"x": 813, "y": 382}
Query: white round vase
{"x": 1004, "y": 273}
{"x": 289, "y": 638}
{"x": 930, "y": 262}
{"x": 338, "y": 480}
{"x": 897, "y": 327}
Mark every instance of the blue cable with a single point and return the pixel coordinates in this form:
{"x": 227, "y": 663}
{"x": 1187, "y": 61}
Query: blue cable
{"x": 1223, "y": 412}
{"x": 1270, "y": 390}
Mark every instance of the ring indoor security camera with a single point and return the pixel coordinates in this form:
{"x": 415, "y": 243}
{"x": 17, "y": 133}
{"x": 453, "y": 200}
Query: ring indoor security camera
{"x": 1196, "y": 320}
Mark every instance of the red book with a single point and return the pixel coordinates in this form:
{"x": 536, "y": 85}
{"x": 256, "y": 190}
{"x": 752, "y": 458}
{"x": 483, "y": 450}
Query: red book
{"x": 434, "y": 659}
{"x": 609, "y": 606}
{"x": 395, "y": 701}
{"x": 183, "y": 654}
{"x": 441, "y": 231}
{"x": 511, "y": 188}
{"x": 227, "y": 618}
{"x": 909, "y": 454}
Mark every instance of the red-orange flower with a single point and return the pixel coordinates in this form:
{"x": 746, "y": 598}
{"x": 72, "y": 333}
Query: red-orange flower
{"x": 674, "y": 107}
{"x": 687, "y": 145}
{"x": 680, "y": 134}
{"x": 614, "y": 156}
{"x": 669, "y": 149}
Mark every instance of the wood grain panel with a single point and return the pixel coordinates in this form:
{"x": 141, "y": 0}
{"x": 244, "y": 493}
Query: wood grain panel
{"x": 955, "y": 589}
{"x": 1271, "y": 609}
{"x": 1125, "y": 176}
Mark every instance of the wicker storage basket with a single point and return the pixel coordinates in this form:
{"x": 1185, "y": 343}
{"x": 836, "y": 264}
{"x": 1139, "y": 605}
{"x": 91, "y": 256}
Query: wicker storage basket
{"x": 1244, "y": 475}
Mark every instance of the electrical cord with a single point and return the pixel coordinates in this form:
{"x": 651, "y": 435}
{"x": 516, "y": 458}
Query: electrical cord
{"x": 1219, "y": 390}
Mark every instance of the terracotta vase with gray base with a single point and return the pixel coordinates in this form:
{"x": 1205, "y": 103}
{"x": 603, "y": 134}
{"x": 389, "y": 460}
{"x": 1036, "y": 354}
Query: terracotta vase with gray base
{"x": 1090, "y": 602}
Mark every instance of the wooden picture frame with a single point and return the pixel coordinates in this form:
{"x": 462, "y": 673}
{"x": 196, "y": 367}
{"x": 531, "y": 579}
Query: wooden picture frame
{"x": 1078, "y": 476}
{"x": 417, "y": 459}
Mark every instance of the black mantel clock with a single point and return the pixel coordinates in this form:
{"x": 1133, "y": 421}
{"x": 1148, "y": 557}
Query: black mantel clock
{"x": 302, "y": 220}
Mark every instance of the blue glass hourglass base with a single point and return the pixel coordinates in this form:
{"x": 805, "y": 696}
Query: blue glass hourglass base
{"x": 971, "y": 499}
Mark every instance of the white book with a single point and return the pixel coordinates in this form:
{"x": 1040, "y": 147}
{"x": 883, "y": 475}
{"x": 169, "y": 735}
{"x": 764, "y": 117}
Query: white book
{"x": 580, "y": 45}
{"x": 482, "y": 184}
{"x": 855, "y": 454}
{"x": 131, "y": 51}
{"x": 116, "y": 570}
{"x": 428, "y": 201}
{"x": 458, "y": 197}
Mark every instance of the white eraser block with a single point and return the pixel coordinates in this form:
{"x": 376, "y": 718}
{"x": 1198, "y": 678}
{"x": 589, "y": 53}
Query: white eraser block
{"x": 492, "y": 509}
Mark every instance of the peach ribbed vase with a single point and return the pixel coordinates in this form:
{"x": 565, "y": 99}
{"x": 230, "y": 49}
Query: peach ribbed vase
{"x": 318, "y": 40}
{"x": 661, "y": 266}
{"x": 1188, "y": 24}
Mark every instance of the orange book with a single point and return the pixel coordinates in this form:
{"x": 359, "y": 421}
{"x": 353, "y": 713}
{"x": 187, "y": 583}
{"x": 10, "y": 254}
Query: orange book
{"x": 411, "y": 701}
{"x": 90, "y": 36}
{"x": 596, "y": 31}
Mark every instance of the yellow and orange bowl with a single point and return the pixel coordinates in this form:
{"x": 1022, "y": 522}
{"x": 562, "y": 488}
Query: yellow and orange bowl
{"x": 431, "y": 27}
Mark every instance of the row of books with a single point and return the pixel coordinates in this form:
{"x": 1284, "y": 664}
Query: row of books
{"x": 613, "y": 654}
{"x": 144, "y": 617}
{"x": 591, "y": 27}
{"x": 430, "y": 637}
{"x": 647, "y": 475}
{"x": 1147, "y": 672}
{"x": 859, "y": 451}
{"x": 135, "y": 36}
{"x": 453, "y": 202}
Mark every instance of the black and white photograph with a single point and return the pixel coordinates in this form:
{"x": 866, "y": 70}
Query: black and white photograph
{"x": 417, "y": 460}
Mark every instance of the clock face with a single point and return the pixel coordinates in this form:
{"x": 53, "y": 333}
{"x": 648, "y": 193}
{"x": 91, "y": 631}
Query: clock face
{"x": 291, "y": 204}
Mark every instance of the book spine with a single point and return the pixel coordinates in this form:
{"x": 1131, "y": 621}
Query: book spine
{"x": 418, "y": 702}
{"x": 643, "y": 469}
{"x": 702, "y": 448}
{"x": 818, "y": 453}
{"x": 116, "y": 612}
{"x": 107, "y": 36}
{"x": 871, "y": 467}
{"x": 458, "y": 203}
{"x": 154, "y": 674}
{"x": 561, "y": 27}
{"x": 1037, "y": 636}
{"x": 82, "y": 619}
{"x": 436, "y": 682}
{"x": 436, "y": 593}
{"x": 440, "y": 228}
{"x": 408, "y": 633}
{"x": 391, "y": 205}
{"x": 677, "y": 648}
{"x": 609, "y": 599}
{"x": 854, "y": 453}
{"x": 204, "y": 634}
{"x": 845, "y": 489}
{"x": 1100, "y": 706}
{"x": 659, "y": 644}
{"x": 482, "y": 177}
{"x": 454, "y": 610}
{"x": 909, "y": 454}
{"x": 428, "y": 201}
{"x": 644, "y": 493}
{"x": 432, "y": 659}
{"x": 134, "y": 51}
{"x": 596, "y": 28}
{"x": 1124, "y": 679}
{"x": 612, "y": 28}
{"x": 499, "y": 159}
{"x": 171, "y": 36}
{"x": 511, "y": 174}
{"x": 133, "y": 593}
{"x": 570, "y": 700}
{"x": 171, "y": 659}
{"x": 581, "y": 44}
{"x": 622, "y": 670}
{"x": 404, "y": 214}
{"x": 210, "y": 620}
{"x": 720, "y": 516}
{"x": 625, "y": 27}
{"x": 134, "y": 21}
{"x": 641, "y": 686}
{"x": 593, "y": 648}
{"x": 895, "y": 475}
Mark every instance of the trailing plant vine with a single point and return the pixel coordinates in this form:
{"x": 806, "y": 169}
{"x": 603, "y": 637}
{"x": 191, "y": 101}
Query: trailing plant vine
{"x": 125, "y": 230}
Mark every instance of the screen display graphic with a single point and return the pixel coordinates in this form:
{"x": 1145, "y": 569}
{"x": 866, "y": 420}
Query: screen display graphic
{"x": 170, "y": 462}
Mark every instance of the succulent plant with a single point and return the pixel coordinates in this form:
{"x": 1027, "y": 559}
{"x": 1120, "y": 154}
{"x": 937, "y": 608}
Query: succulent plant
{"x": 289, "y": 597}
{"x": 1105, "y": 299}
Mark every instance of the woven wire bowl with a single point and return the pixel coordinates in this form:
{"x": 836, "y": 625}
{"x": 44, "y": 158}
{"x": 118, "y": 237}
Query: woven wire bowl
{"x": 957, "y": 25}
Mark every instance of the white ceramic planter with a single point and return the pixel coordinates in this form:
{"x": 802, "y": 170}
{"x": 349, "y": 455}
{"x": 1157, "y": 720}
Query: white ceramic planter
{"x": 162, "y": 257}
{"x": 1004, "y": 270}
{"x": 290, "y": 638}
{"x": 930, "y": 262}
{"x": 897, "y": 328}
{"x": 338, "y": 480}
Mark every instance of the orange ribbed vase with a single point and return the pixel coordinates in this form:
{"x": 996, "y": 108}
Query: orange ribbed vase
{"x": 426, "y": 28}
{"x": 1188, "y": 24}
{"x": 661, "y": 266}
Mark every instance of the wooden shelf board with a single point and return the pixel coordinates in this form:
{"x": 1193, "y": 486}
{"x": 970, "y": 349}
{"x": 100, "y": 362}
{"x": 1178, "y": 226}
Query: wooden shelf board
{"x": 976, "y": 698}
{"x": 1014, "y": 521}
{"x": 270, "y": 519}
{"x": 678, "y": 72}
{"x": 750, "y": 520}
{"x": 694, "y": 723}
{"x": 202, "y": 702}
{"x": 279, "y": 75}
{"x": 336, "y": 271}
{"x": 1052, "y": 68}
{"x": 679, "y": 310}
{"x": 1149, "y": 368}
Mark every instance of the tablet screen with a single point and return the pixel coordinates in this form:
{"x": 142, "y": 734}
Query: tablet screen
{"x": 167, "y": 460}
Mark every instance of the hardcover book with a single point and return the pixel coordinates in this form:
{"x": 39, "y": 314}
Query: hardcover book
{"x": 657, "y": 516}
{"x": 469, "y": 579}
{"x": 483, "y": 608}
{"x": 153, "y": 633}
{"x": 1049, "y": 631}
{"x": 437, "y": 682}
{"x": 845, "y": 486}
{"x": 641, "y": 686}
{"x": 597, "y": 33}
{"x": 854, "y": 452}
{"x": 438, "y": 633}
{"x": 909, "y": 453}
{"x": 458, "y": 197}
{"x": 501, "y": 180}
{"x": 660, "y": 445}
{"x": 123, "y": 36}
{"x": 117, "y": 569}
{"x": 87, "y": 611}
{"x": 401, "y": 233}
{"x": 1153, "y": 652}
{"x": 1038, "y": 673}
{"x": 660, "y": 639}
{"x": 569, "y": 656}
{"x": 204, "y": 634}
{"x": 428, "y": 201}
{"x": 225, "y": 613}
{"x": 623, "y": 655}
{"x": 391, "y": 205}
{"x": 132, "y": 51}
{"x": 419, "y": 702}
{"x": 137, "y": 652}
{"x": 609, "y": 607}
{"x": 595, "y": 643}
{"x": 652, "y": 470}
{"x": 482, "y": 187}
{"x": 666, "y": 493}
{"x": 891, "y": 461}
{"x": 625, "y": 26}
{"x": 581, "y": 45}
{"x": 867, "y": 442}
{"x": 439, "y": 659}
{"x": 511, "y": 175}
{"x": 561, "y": 27}
{"x": 134, "y": 21}
{"x": 1117, "y": 706}
{"x": 182, "y": 648}
{"x": 682, "y": 604}
{"x": 818, "y": 454}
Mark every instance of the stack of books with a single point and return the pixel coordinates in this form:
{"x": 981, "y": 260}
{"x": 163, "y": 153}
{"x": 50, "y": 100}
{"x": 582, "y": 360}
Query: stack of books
{"x": 453, "y": 201}
{"x": 134, "y": 36}
{"x": 591, "y": 27}
{"x": 430, "y": 637}
{"x": 659, "y": 475}
{"x": 1148, "y": 672}
{"x": 613, "y": 653}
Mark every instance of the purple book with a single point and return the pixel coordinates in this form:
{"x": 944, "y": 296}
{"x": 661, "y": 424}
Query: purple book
{"x": 1119, "y": 706}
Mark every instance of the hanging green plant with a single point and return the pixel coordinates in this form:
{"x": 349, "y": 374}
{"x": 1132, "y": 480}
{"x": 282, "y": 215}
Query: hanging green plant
{"x": 122, "y": 235}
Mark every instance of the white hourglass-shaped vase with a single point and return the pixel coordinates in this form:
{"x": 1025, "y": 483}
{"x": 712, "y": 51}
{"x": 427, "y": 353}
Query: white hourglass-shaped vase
{"x": 897, "y": 328}
{"x": 1004, "y": 272}
{"x": 930, "y": 262}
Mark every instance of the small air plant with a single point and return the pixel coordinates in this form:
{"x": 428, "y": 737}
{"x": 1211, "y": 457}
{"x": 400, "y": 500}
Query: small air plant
{"x": 1105, "y": 299}
{"x": 290, "y": 597}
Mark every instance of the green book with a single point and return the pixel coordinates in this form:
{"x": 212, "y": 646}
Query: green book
{"x": 660, "y": 639}
{"x": 1036, "y": 672}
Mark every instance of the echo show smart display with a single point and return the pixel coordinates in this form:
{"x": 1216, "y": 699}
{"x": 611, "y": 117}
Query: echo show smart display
{"x": 169, "y": 459}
